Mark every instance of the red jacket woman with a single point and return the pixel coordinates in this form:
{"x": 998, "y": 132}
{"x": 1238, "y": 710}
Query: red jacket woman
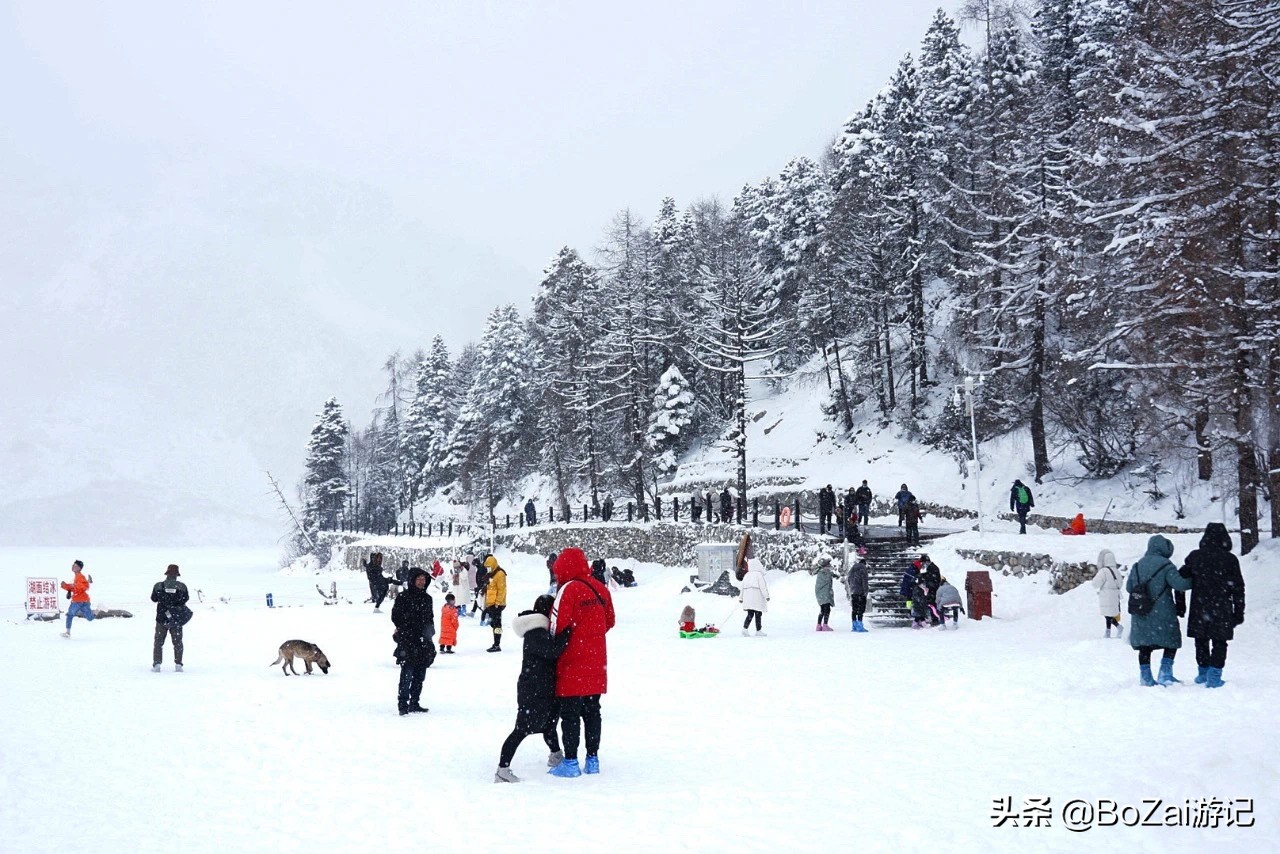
{"x": 584, "y": 605}
{"x": 584, "y": 609}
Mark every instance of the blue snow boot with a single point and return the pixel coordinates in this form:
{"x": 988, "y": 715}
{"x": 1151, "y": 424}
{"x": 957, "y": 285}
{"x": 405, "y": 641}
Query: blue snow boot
{"x": 1202, "y": 675}
{"x": 567, "y": 768}
{"x": 1165, "y": 677}
{"x": 593, "y": 764}
{"x": 1145, "y": 671}
{"x": 1213, "y": 679}
{"x": 860, "y": 627}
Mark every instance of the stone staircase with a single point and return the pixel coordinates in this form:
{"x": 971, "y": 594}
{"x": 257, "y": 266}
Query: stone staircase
{"x": 887, "y": 559}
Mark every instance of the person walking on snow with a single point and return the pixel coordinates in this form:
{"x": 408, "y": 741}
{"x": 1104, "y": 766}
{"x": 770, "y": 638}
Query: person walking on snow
{"x": 856, "y": 583}
{"x": 79, "y": 590}
{"x": 530, "y": 513}
{"x": 584, "y": 607}
{"x": 171, "y": 598}
{"x": 1021, "y": 501}
{"x": 1217, "y": 601}
{"x": 754, "y": 597}
{"x": 378, "y": 584}
{"x": 414, "y": 619}
{"x": 1158, "y": 628}
{"x": 1107, "y": 583}
{"x": 536, "y": 704}
{"x": 495, "y": 600}
{"x": 822, "y": 590}
{"x": 901, "y": 498}
{"x": 864, "y": 496}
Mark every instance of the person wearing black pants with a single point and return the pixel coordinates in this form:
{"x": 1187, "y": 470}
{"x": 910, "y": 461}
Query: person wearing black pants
{"x": 1217, "y": 601}
{"x": 538, "y": 708}
{"x": 824, "y": 614}
{"x": 858, "y": 602}
{"x": 747, "y": 622}
{"x": 587, "y": 710}
{"x": 414, "y": 618}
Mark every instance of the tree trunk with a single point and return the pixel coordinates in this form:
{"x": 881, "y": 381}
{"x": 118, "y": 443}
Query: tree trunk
{"x": 1204, "y": 453}
{"x": 888, "y": 355}
{"x": 846, "y": 410}
{"x": 740, "y": 378}
{"x": 1039, "y": 445}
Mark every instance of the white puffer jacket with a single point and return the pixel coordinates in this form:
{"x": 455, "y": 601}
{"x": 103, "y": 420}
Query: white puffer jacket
{"x": 1108, "y": 582}
{"x": 755, "y": 590}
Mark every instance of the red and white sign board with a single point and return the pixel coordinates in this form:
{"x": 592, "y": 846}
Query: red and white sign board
{"x": 42, "y": 596}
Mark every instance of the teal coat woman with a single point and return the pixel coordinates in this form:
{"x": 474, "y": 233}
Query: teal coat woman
{"x": 1159, "y": 627}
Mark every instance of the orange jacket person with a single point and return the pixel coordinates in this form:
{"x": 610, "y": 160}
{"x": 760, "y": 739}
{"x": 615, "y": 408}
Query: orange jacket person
{"x": 79, "y": 588}
{"x": 448, "y": 624}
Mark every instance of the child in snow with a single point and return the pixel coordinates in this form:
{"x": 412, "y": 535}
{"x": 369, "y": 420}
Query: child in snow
{"x": 856, "y": 583}
{"x": 823, "y": 592}
{"x": 448, "y": 624}
{"x": 919, "y": 603}
{"x": 1077, "y": 527}
{"x": 912, "y": 515}
{"x": 949, "y": 607}
{"x": 537, "y": 707}
{"x": 688, "y": 621}
{"x": 1107, "y": 583}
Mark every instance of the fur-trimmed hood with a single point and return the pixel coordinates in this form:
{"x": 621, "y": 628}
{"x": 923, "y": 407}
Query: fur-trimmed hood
{"x": 529, "y": 621}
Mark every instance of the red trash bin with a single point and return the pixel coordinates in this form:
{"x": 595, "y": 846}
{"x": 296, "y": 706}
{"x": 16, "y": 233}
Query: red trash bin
{"x": 978, "y": 587}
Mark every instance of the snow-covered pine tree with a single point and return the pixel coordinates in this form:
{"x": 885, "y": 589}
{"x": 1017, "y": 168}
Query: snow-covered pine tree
{"x": 1191, "y": 233}
{"x": 563, "y": 330}
{"x": 325, "y": 483}
{"x": 378, "y": 505}
{"x": 491, "y": 444}
{"x": 672, "y": 414}
{"x": 632, "y": 347}
{"x": 738, "y": 326}
{"x": 428, "y": 422}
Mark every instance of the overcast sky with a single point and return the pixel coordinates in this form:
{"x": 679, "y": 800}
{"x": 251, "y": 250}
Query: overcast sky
{"x": 216, "y": 215}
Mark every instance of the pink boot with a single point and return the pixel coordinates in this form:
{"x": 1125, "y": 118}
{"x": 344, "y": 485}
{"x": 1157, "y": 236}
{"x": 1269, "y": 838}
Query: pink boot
{"x": 825, "y": 627}
{"x": 818, "y": 627}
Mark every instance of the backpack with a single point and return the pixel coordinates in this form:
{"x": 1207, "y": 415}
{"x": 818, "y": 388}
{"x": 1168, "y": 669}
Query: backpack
{"x": 1024, "y": 496}
{"x": 1140, "y": 599}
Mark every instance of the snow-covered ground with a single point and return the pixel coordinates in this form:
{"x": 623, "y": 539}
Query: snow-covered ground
{"x": 893, "y": 740}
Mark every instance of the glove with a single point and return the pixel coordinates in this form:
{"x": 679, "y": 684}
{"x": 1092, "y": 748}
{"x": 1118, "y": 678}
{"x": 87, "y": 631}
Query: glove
{"x": 1239, "y": 619}
{"x": 1182, "y": 609}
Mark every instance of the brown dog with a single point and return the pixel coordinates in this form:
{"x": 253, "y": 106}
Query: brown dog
{"x": 308, "y": 652}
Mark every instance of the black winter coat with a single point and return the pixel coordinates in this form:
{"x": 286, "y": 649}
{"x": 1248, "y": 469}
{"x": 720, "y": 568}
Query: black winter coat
{"x": 164, "y": 599}
{"x": 726, "y": 505}
{"x": 931, "y": 578}
{"x": 826, "y": 500}
{"x": 1217, "y": 586}
{"x": 536, "y": 687}
{"x": 414, "y": 618}
{"x": 863, "y": 495}
{"x": 373, "y": 571}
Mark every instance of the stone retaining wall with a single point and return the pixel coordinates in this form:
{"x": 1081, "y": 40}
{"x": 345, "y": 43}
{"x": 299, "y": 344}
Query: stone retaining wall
{"x": 1101, "y": 526}
{"x": 667, "y": 543}
{"x": 1064, "y": 576}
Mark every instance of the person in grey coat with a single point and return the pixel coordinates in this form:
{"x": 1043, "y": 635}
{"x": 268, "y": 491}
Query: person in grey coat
{"x": 856, "y": 583}
{"x": 949, "y": 605}
{"x": 825, "y": 595}
{"x": 1158, "y": 628}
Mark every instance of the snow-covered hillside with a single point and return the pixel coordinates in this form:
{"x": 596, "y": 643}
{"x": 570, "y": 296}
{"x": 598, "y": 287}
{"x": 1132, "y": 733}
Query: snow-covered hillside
{"x": 892, "y": 740}
{"x": 793, "y": 447}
